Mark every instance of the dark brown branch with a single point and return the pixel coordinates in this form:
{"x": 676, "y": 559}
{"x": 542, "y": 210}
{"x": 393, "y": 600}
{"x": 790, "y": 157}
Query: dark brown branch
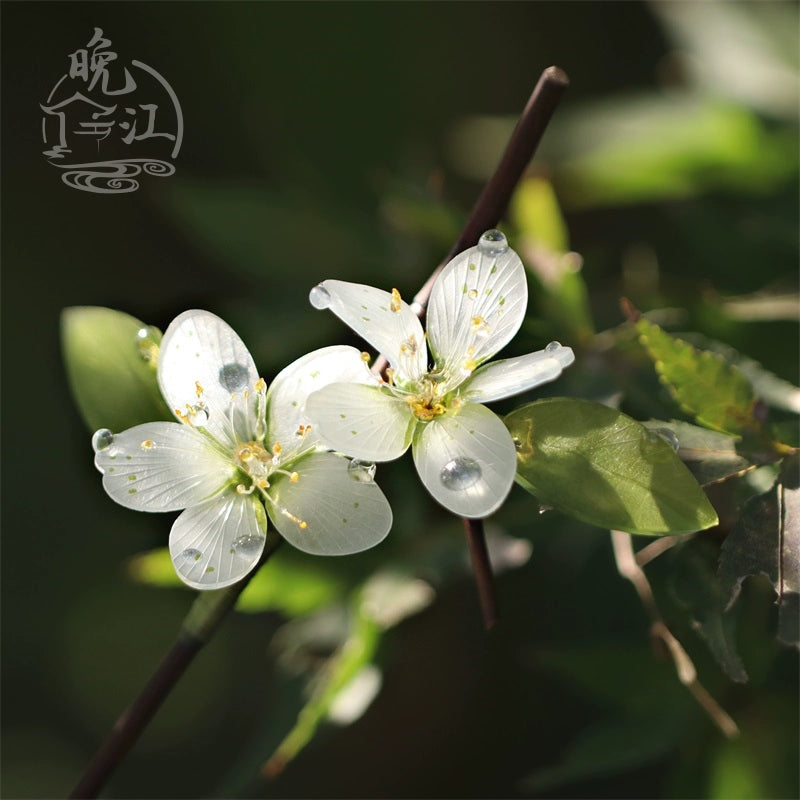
{"x": 482, "y": 567}
{"x": 196, "y": 631}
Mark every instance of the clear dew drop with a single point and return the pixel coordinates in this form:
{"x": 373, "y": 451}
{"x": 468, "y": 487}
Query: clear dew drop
{"x": 248, "y": 545}
{"x": 361, "y": 471}
{"x": 552, "y": 347}
{"x": 669, "y": 436}
{"x": 460, "y": 474}
{"x": 146, "y": 344}
{"x": 320, "y": 297}
{"x": 493, "y": 243}
{"x": 198, "y": 416}
{"x": 191, "y": 554}
{"x": 102, "y": 440}
{"x": 233, "y": 377}
{"x": 543, "y": 509}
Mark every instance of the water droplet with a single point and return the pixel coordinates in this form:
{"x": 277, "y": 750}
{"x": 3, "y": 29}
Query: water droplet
{"x": 668, "y": 435}
{"x": 191, "y": 554}
{"x": 320, "y": 297}
{"x": 102, "y": 440}
{"x": 493, "y": 243}
{"x": 248, "y": 545}
{"x": 198, "y": 416}
{"x": 552, "y": 347}
{"x": 460, "y": 473}
{"x": 147, "y": 343}
{"x": 361, "y": 471}
{"x": 543, "y": 509}
{"x": 234, "y": 377}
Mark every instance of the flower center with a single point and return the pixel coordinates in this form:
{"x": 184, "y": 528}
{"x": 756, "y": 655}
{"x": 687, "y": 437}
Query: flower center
{"x": 256, "y": 461}
{"x": 425, "y": 406}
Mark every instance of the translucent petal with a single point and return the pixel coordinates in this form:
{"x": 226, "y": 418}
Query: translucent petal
{"x": 330, "y": 510}
{"x": 162, "y": 466}
{"x": 361, "y": 421}
{"x": 466, "y": 460}
{"x": 370, "y": 313}
{"x": 477, "y": 305}
{"x": 289, "y": 391}
{"x": 217, "y": 543}
{"x": 201, "y": 364}
{"x": 511, "y": 376}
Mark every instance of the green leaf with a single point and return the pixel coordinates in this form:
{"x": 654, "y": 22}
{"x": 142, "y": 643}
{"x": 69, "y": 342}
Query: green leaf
{"x": 604, "y": 468}
{"x": 766, "y": 541}
{"x": 694, "y": 583}
{"x": 543, "y": 246}
{"x": 703, "y": 383}
{"x": 111, "y": 369}
{"x": 535, "y": 211}
{"x": 290, "y": 582}
{"x": 710, "y": 456}
{"x": 773, "y": 390}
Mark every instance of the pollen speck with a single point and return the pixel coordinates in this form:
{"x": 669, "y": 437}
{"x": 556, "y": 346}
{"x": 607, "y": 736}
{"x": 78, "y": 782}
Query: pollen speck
{"x": 147, "y": 444}
{"x": 472, "y": 294}
{"x": 468, "y": 364}
{"x": 294, "y": 477}
{"x": 365, "y": 357}
{"x": 198, "y": 389}
{"x": 396, "y": 302}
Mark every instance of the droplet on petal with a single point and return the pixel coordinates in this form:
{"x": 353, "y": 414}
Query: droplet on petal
{"x": 191, "y": 554}
{"x": 146, "y": 345}
{"x": 102, "y": 440}
{"x": 493, "y": 243}
{"x": 460, "y": 474}
{"x": 361, "y": 471}
{"x": 552, "y": 347}
{"x": 147, "y": 444}
{"x": 320, "y": 297}
{"x": 247, "y": 545}
{"x": 233, "y": 377}
{"x": 198, "y": 416}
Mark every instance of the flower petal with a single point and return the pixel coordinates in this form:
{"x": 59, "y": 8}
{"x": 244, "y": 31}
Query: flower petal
{"x": 361, "y": 421}
{"x": 202, "y": 363}
{"x": 286, "y": 399}
{"x": 511, "y": 376}
{"x": 466, "y": 460}
{"x": 332, "y": 510}
{"x": 162, "y": 466}
{"x": 217, "y": 543}
{"x": 477, "y": 305}
{"x": 386, "y": 322}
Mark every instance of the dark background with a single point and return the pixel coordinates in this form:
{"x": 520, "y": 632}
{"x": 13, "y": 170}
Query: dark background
{"x": 318, "y": 112}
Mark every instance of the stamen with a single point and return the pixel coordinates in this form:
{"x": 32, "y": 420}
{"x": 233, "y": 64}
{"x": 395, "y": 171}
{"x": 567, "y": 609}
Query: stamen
{"x": 198, "y": 389}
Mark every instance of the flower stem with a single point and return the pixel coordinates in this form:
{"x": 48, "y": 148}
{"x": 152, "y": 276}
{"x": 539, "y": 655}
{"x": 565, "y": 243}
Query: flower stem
{"x": 496, "y": 195}
{"x": 482, "y": 567}
{"x": 205, "y": 615}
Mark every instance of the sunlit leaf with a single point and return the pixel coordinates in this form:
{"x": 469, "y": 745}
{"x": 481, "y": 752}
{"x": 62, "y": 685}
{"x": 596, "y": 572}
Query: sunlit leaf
{"x": 695, "y": 585}
{"x": 703, "y": 383}
{"x": 766, "y": 541}
{"x": 111, "y": 360}
{"x": 543, "y": 244}
{"x": 290, "y": 582}
{"x": 773, "y": 390}
{"x": 709, "y": 455}
{"x": 604, "y": 468}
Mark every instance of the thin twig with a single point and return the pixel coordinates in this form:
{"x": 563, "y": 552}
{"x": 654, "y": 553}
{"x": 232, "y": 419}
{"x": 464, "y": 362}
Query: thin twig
{"x": 197, "y": 629}
{"x": 687, "y": 673}
{"x": 660, "y": 546}
{"x": 482, "y": 567}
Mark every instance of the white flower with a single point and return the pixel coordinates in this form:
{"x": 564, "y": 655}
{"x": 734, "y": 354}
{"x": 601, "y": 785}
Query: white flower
{"x": 238, "y": 449}
{"x": 463, "y": 453}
